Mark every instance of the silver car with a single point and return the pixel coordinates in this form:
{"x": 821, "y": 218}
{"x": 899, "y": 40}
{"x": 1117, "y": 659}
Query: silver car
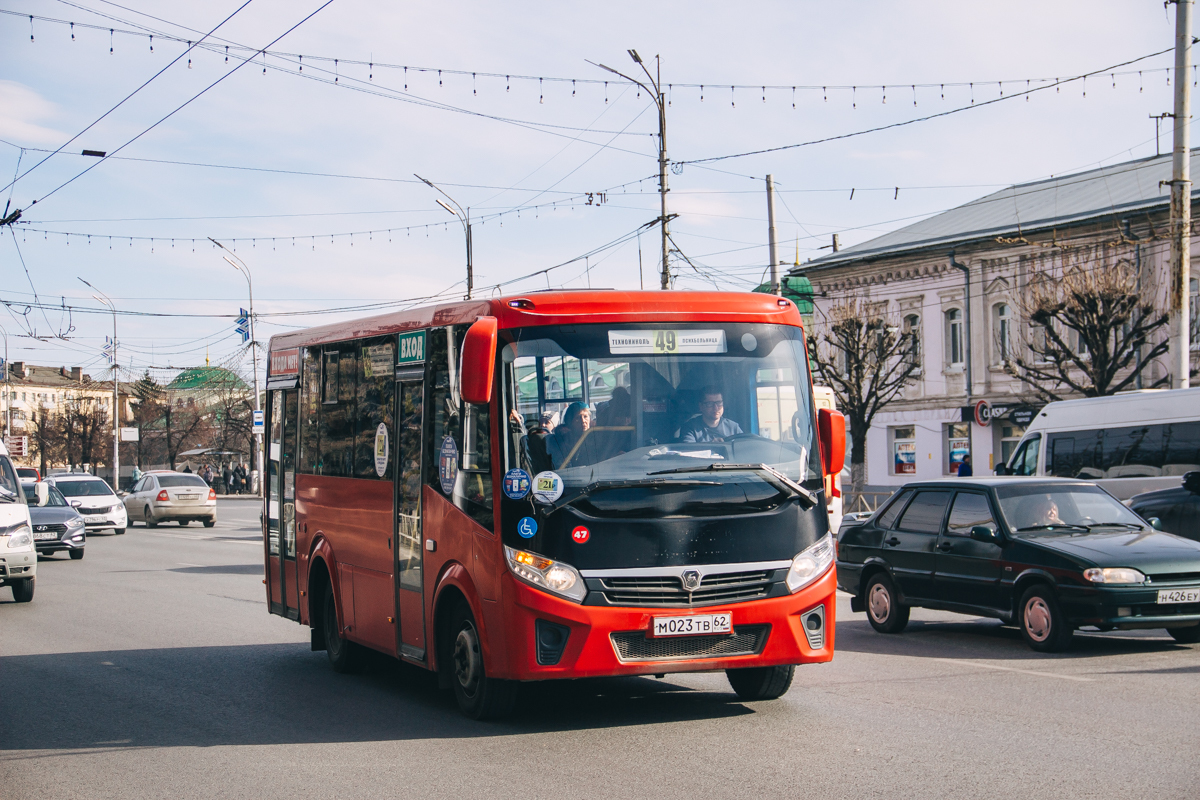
{"x": 163, "y": 496}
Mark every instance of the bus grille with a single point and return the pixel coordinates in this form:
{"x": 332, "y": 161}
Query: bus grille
{"x": 666, "y": 591}
{"x": 636, "y": 646}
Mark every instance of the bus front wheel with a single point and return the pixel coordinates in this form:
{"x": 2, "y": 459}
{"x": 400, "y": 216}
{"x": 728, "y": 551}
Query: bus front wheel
{"x": 479, "y": 696}
{"x": 761, "y": 683}
{"x": 344, "y": 656}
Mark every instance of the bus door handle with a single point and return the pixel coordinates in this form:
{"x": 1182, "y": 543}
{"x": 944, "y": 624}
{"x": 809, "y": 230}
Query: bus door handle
{"x": 892, "y": 542}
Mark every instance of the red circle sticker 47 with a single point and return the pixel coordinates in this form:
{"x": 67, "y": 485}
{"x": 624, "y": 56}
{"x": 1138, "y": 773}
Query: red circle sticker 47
{"x": 581, "y": 534}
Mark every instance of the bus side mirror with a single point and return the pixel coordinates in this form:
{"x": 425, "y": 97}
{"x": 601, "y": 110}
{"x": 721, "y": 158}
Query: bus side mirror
{"x": 831, "y": 430}
{"x": 43, "y": 493}
{"x": 479, "y": 361}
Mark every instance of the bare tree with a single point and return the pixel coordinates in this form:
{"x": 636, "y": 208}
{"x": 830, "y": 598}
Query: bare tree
{"x": 1091, "y": 331}
{"x": 867, "y": 359}
{"x": 84, "y": 428}
{"x": 182, "y": 423}
{"x": 147, "y": 412}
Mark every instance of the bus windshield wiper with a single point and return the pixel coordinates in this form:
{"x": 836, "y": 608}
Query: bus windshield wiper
{"x": 628, "y": 483}
{"x": 769, "y": 474}
{"x": 1054, "y": 526}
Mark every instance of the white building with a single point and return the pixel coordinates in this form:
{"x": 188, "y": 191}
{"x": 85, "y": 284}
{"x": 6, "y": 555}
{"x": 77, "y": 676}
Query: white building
{"x": 1093, "y": 219}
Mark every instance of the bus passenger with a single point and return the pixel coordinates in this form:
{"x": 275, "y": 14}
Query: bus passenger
{"x": 711, "y": 425}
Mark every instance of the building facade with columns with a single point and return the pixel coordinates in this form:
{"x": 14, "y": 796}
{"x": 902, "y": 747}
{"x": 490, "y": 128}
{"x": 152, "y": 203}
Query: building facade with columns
{"x": 959, "y": 281}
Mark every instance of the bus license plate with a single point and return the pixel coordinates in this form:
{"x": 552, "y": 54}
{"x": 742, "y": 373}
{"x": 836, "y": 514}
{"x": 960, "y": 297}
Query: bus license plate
{"x": 692, "y": 625}
{"x": 1178, "y": 596}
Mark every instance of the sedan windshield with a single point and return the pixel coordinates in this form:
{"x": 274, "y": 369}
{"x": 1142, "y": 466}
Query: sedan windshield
{"x": 83, "y": 488}
{"x": 1054, "y": 508}
{"x": 615, "y": 406}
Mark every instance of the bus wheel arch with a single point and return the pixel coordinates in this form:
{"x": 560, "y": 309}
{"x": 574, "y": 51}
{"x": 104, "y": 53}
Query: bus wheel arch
{"x": 455, "y": 586}
{"x": 319, "y": 582}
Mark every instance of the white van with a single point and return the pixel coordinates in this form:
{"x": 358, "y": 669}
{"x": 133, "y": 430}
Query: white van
{"x": 18, "y": 558}
{"x": 1128, "y": 443}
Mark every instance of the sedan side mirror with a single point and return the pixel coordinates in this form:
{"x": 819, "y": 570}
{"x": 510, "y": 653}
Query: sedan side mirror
{"x": 43, "y": 493}
{"x": 987, "y": 534}
{"x": 1001, "y": 469}
{"x": 1155, "y": 523}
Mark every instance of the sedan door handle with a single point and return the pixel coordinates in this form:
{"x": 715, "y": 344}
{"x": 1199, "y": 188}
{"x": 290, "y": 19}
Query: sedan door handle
{"x": 892, "y": 542}
{"x": 945, "y": 547}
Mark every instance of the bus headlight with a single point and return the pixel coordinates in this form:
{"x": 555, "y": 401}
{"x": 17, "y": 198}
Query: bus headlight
{"x": 810, "y": 564}
{"x": 544, "y": 573}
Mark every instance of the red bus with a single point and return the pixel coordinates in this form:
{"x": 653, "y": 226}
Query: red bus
{"x": 555, "y": 485}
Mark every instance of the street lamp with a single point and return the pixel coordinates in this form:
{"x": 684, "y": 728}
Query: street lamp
{"x": 242, "y": 267}
{"x": 101, "y": 297}
{"x": 465, "y": 218}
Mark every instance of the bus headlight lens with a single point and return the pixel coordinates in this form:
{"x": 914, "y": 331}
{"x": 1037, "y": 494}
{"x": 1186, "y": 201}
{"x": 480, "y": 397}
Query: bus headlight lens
{"x": 20, "y": 537}
{"x": 1114, "y": 575}
{"x": 810, "y": 564}
{"x": 544, "y": 573}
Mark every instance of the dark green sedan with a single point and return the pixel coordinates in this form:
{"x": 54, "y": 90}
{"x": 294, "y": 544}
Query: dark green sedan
{"x": 1048, "y": 555}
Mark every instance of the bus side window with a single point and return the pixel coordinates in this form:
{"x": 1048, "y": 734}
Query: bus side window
{"x": 376, "y": 397}
{"x": 310, "y": 413}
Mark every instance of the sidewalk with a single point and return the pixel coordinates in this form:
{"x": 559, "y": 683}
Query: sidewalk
{"x": 239, "y": 497}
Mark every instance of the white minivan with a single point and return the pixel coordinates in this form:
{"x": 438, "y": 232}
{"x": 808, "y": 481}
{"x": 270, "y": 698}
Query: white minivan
{"x": 18, "y": 558}
{"x": 1128, "y": 443}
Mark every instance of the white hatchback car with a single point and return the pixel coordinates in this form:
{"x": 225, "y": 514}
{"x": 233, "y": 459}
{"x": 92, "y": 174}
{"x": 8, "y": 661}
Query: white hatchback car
{"x": 93, "y": 498}
{"x": 165, "y": 496}
{"x": 18, "y": 558}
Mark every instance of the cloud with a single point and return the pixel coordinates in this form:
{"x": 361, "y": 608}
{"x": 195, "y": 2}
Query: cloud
{"x": 24, "y": 108}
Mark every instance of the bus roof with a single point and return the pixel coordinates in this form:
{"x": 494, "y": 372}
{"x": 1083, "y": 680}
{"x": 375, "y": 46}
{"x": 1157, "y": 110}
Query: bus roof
{"x": 1144, "y": 406}
{"x": 561, "y": 307}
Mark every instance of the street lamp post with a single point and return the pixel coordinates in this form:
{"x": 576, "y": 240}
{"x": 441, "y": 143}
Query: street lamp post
{"x": 7, "y": 393}
{"x": 465, "y": 218}
{"x": 116, "y": 458}
{"x": 243, "y": 268}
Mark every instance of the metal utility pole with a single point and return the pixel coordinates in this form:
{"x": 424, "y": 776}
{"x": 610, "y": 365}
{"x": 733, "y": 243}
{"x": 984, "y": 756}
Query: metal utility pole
{"x": 1181, "y": 201}
{"x": 116, "y": 456}
{"x": 660, "y": 100}
{"x": 465, "y": 218}
{"x": 7, "y": 393}
{"x": 243, "y": 268}
{"x": 775, "y": 287}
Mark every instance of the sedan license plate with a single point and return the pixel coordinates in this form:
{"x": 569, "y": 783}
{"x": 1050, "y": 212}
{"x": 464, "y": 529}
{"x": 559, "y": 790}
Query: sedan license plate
{"x": 95, "y": 518}
{"x": 186, "y": 496}
{"x": 1178, "y": 596}
{"x": 40, "y": 535}
{"x": 692, "y": 625}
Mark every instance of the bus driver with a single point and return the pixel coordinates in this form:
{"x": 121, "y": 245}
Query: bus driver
{"x": 711, "y": 425}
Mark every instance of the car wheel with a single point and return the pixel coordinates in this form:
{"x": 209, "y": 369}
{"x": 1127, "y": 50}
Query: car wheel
{"x": 761, "y": 683}
{"x": 148, "y": 515}
{"x": 1042, "y": 623}
{"x": 479, "y": 696}
{"x": 208, "y": 523}
{"x": 345, "y": 656}
{"x": 119, "y": 531}
{"x": 76, "y": 554}
{"x": 23, "y": 590}
{"x": 183, "y": 523}
{"x": 884, "y": 610}
{"x": 1185, "y": 635}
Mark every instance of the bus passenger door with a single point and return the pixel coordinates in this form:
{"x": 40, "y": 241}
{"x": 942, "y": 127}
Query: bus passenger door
{"x": 410, "y": 604}
{"x": 282, "y": 591}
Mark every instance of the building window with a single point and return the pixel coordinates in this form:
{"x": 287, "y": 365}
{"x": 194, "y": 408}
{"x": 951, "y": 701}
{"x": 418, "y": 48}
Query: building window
{"x": 912, "y": 326}
{"x": 1001, "y": 333}
{"x": 956, "y": 445}
{"x": 904, "y": 449}
{"x": 954, "y": 336}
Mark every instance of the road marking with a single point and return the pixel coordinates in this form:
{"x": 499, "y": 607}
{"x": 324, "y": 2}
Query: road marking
{"x": 186, "y": 564}
{"x": 1014, "y": 669}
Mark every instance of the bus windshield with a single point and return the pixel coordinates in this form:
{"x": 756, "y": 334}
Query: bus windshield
{"x": 655, "y": 422}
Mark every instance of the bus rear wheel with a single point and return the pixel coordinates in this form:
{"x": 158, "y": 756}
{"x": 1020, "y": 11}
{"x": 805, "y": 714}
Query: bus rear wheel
{"x": 344, "y": 656}
{"x": 479, "y": 696}
{"x": 761, "y": 683}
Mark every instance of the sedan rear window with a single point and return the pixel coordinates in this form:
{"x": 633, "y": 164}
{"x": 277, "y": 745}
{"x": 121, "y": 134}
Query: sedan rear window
{"x": 83, "y": 488}
{"x": 173, "y": 481}
{"x": 924, "y": 514}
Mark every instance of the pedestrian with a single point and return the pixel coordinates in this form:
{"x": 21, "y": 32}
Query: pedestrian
{"x": 137, "y": 474}
{"x": 187, "y": 468}
{"x": 239, "y": 477}
{"x": 964, "y": 467}
{"x": 227, "y": 479}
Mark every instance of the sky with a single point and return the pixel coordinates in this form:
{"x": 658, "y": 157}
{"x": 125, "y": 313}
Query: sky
{"x": 282, "y": 156}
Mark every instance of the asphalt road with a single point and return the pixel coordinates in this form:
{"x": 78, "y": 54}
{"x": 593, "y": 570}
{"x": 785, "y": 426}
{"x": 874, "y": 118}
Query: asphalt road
{"x": 151, "y": 668}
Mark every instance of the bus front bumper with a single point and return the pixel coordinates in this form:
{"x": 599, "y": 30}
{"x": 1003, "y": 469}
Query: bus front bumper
{"x": 605, "y": 641}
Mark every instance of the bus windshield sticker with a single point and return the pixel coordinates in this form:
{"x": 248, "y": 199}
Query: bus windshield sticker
{"x": 412, "y": 348}
{"x": 516, "y": 484}
{"x": 665, "y": 342}
{"x": 527, "y": 527}
{"x": 377, "y": 361}
{"x": 381, "y": 449}
{"x": 547, "y": 487}
{"x": 448, "y": 465}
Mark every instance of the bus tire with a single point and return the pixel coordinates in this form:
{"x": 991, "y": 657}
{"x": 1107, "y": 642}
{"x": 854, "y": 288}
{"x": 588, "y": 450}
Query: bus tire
{"x": 479, "y": 696}
{"x": 345, "y": 657}
{"x": 761, "y": 683}
{"x": 23, "y": 590}
{"x": 885, "y": 612}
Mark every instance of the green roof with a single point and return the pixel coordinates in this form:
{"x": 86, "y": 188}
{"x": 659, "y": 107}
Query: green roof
{"x": 796, "y": 288}
{"x": 207, "y": 378}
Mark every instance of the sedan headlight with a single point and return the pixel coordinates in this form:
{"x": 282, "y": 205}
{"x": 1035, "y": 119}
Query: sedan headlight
{"x": 21, "y": 536}
{"x": 75, "y": 522}
{"x": 810, "y": 564}
{"x": 544, "y": 573}
{"x": 1114, "y": 575}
